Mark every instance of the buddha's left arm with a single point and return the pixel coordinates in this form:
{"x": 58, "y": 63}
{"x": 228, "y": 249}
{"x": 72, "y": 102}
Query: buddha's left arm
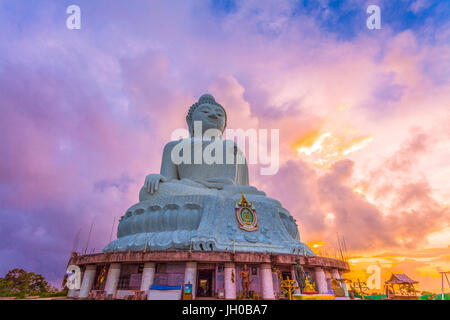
{"x": 241, "y": 169}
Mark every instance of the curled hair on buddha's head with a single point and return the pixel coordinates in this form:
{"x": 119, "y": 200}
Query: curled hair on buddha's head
{"x": 206, "y": 98}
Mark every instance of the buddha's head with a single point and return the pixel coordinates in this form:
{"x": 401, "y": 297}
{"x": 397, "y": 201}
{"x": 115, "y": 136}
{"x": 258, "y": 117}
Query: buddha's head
{"x": 211, "y": 114}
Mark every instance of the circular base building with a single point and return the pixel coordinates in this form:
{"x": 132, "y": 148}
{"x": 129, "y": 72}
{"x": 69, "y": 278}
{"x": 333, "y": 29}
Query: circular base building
{"x": 213, "y": 274}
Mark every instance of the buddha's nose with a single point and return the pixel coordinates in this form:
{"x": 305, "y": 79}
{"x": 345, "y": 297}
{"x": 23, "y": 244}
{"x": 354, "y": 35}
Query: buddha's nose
{"x": 213, "y": 116}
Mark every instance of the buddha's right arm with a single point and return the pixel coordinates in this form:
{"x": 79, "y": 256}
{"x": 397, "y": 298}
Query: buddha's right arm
{"x": 168, "y": 168}
{"x": 168, "y": 172}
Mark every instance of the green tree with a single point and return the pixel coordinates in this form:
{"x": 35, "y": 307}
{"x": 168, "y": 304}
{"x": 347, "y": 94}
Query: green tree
{"x": 18, "y": 282}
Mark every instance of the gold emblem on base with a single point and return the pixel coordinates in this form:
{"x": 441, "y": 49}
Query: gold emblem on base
{"x": 246, "y": 215}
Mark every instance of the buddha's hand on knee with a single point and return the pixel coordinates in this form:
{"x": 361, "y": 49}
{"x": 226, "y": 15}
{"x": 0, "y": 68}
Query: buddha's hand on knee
{"x": 152, "y": 181}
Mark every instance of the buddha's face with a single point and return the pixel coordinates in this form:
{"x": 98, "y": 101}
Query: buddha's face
{"x": 211, "y": 116}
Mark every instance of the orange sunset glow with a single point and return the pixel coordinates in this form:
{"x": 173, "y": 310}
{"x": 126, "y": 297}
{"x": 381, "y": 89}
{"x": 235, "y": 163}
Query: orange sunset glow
{"x": 323, "y": 149}
{"x": 422, "y": 265}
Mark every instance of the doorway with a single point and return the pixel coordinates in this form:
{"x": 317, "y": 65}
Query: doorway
{"x": 205, "y": 283}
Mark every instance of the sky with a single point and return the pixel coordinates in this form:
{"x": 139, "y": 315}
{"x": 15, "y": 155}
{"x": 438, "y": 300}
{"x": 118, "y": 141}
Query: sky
{"x": 363, "y": 117}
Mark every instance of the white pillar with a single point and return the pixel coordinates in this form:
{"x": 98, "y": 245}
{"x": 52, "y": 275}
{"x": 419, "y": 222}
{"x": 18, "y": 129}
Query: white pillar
{"x": 321, "y": 281}
{"x": 267, "y": 282}
{"x": 88, "y": 280}
{"x": 112, "y": 279}
{"x": 190, "y": 276}
{"x": 344, "y": 285}
{"x": 148, "y": 274}
{"x": 230, "y": 286}
{"x": 293, "y": 277}
{"x": 335, "y": 274}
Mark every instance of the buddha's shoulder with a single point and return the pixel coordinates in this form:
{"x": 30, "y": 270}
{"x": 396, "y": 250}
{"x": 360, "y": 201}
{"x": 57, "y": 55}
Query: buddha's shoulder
{"x": 172, "y": 143}
{"x": 169, "y": 145}
{"x": 181, "y": 142}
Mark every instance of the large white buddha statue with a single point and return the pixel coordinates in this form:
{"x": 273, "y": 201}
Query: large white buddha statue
{"x": 198, "y": 176}
{"x": 201, "y": 199}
